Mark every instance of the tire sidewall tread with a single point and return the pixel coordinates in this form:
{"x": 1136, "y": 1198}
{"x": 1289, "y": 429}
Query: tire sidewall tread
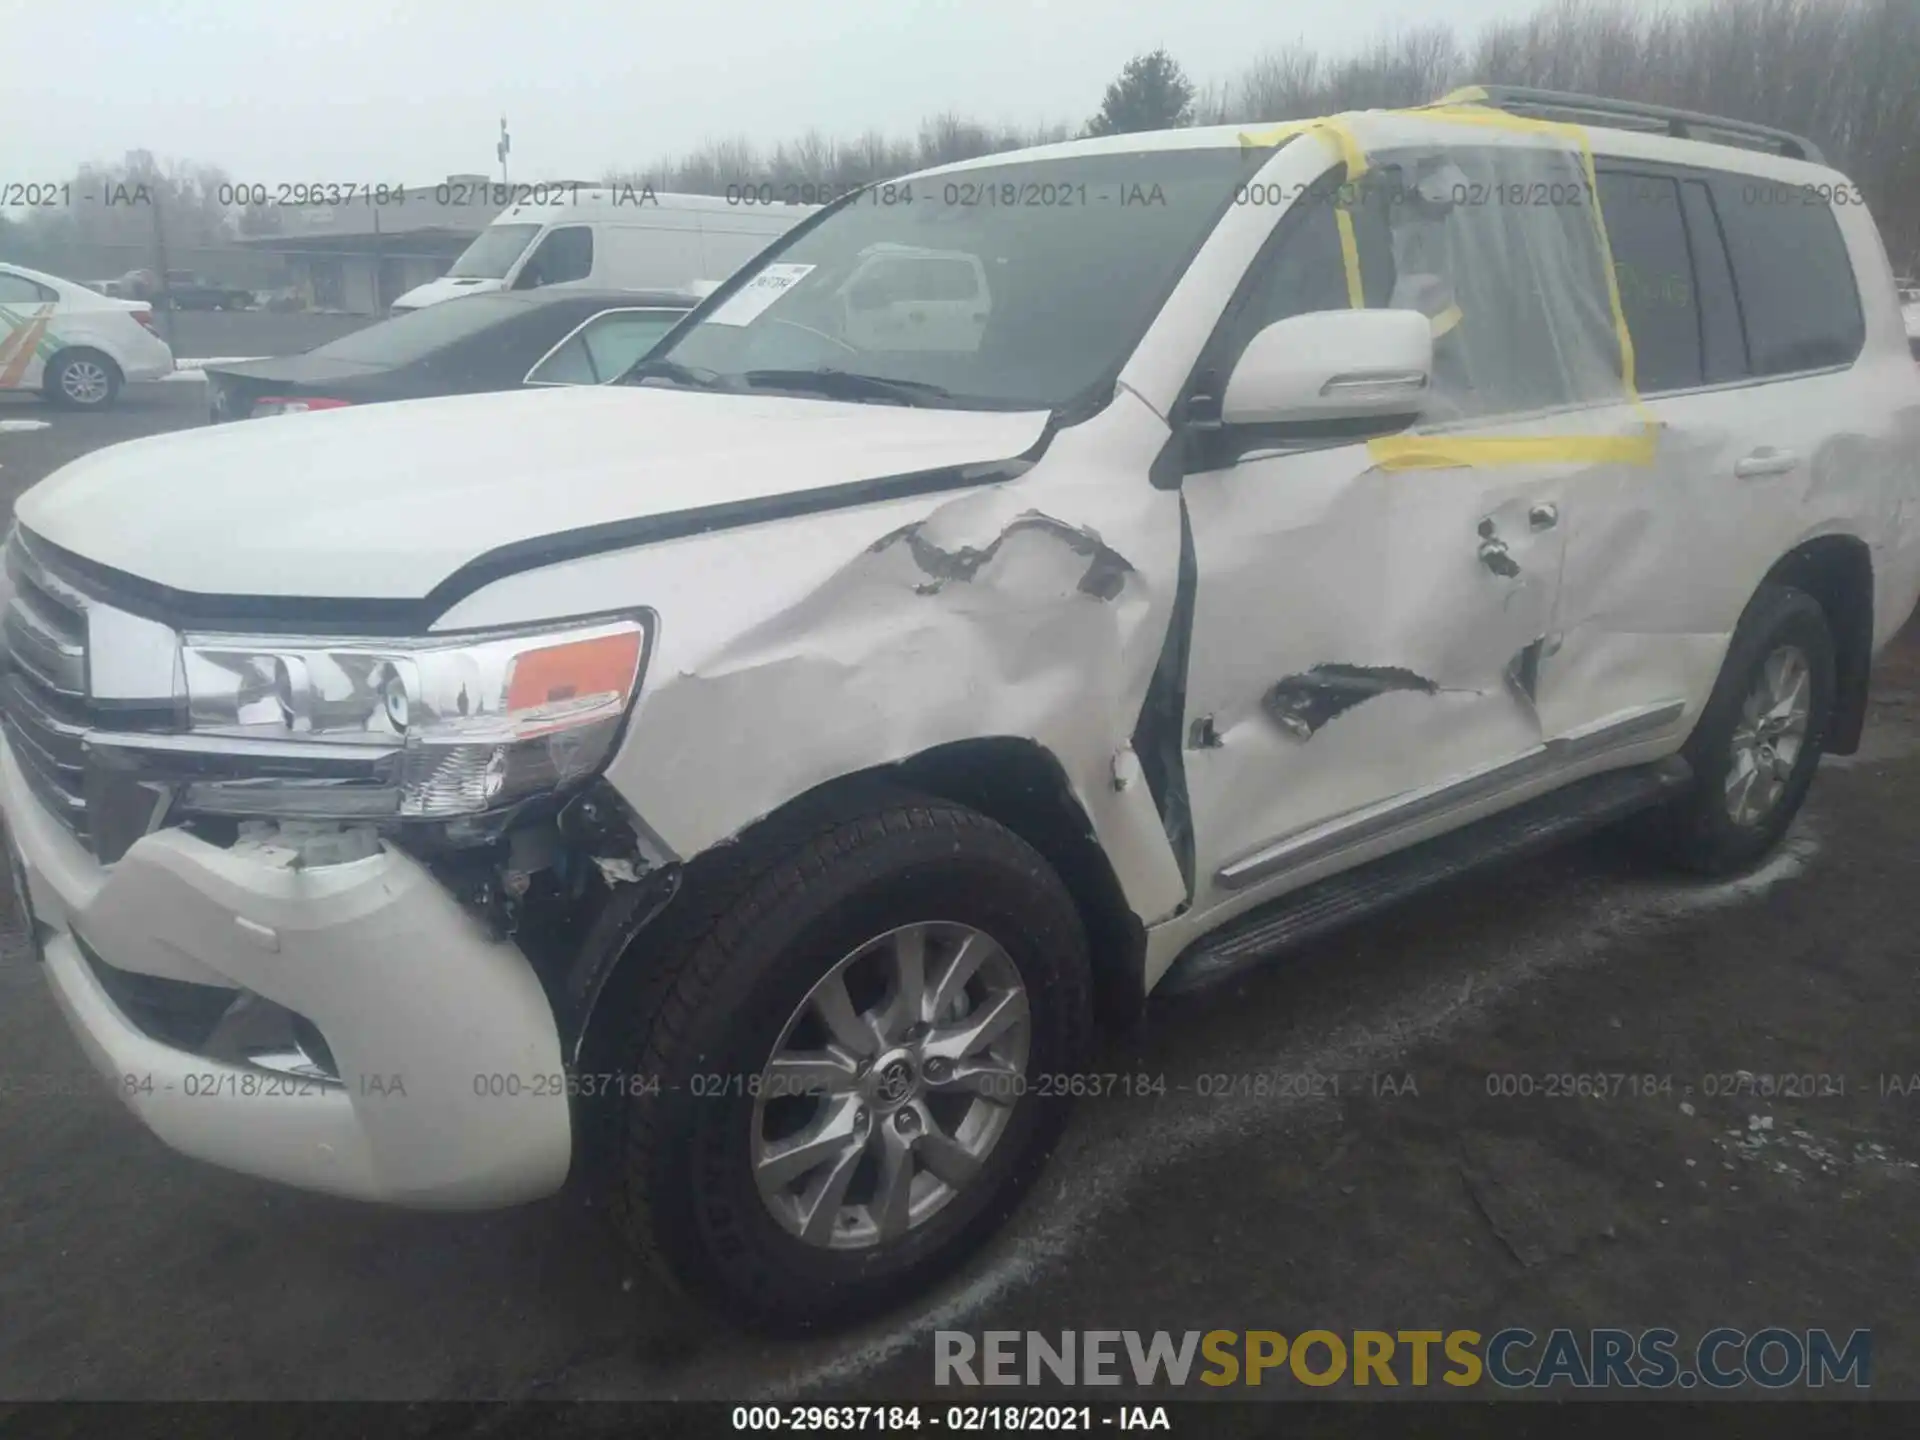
{"x": 58, "y": 395}
{"x": 740, "y": 964}
{"x": 1696, "y": 834}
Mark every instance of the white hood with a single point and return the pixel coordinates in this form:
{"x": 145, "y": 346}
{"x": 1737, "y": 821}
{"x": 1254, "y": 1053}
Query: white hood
{"x": 385, "y": 501}
{"x": 445, "y": 288}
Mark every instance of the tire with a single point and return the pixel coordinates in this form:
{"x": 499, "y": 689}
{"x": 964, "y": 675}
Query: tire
{"x": 735, "y": 978}
{"x": 82, "y": 380}
{"x": 1699, "y": 832}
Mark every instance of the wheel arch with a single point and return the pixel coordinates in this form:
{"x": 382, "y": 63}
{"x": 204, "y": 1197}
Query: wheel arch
{"x": 1837, "y": 571}
{"x": 84, "y": 347}
{"x": 1023, "y": 786}
{"x": 1015, "y": 782}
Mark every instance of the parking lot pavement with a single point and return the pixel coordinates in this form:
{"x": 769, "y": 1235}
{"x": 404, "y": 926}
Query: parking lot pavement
{"x": 28, "y": 456}
{"x": 1387, "y": 1172}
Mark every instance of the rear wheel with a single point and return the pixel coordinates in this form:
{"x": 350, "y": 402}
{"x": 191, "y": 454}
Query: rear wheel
{"x": 1758, "y": 742}
{"x": 82, "y": 380}
{"x": 845, "y": 1059}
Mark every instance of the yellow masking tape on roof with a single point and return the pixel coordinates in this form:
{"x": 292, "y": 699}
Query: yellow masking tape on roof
{"x": 1332, "y": 127}
{"x": 1452, "y": 452}
{"x": 1355, "y": 160}
{"x": 1350, "y": 258}
{"x": 1445, "y": 452}
{"x": 1457, "y": 109}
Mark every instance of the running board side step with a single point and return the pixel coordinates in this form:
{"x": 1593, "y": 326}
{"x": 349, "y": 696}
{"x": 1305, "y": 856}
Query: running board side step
{"x": 1326, "y": 905}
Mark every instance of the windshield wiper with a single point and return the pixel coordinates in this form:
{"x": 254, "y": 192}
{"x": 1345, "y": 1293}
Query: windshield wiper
{"x": 672, "y": 370}
{"x": 848, "y": 385}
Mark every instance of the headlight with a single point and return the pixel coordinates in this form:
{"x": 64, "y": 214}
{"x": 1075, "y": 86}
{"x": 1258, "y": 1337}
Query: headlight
{"x": 431, "y": 728}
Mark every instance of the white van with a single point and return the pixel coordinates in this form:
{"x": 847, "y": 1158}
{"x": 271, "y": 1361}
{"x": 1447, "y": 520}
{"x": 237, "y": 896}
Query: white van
{"x": 621, "y": 237}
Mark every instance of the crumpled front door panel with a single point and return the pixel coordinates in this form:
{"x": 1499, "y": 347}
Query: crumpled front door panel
{"x": 1358, "y": 634}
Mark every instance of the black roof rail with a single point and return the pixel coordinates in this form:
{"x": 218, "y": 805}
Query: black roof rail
{"x": 1623, "y": 114}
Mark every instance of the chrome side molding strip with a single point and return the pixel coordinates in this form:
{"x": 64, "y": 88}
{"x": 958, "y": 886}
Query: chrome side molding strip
{"x": 1356, "y": 827}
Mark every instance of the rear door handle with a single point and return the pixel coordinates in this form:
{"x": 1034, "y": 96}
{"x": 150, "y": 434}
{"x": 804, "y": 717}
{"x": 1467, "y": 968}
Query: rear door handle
{"x": 1765, "y": 461}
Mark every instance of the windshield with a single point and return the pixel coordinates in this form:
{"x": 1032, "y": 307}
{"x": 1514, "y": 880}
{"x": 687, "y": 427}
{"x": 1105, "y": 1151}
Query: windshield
{"x": 418, "y": 333}
{"x": 491, "y": 255}
{"x": 1018, "y": 286}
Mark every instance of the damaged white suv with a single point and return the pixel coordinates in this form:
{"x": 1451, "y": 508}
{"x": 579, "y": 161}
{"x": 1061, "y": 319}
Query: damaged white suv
{"x": 1032, "y": 583}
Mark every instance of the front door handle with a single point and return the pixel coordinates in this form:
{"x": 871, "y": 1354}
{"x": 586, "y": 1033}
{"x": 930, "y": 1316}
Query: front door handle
{"x": 1544, "y": 516}
{"x": 1765, "y": 461}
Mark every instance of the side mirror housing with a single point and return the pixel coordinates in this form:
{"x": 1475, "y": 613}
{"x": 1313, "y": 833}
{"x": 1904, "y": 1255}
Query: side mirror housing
{"x": 1332, "y": 365}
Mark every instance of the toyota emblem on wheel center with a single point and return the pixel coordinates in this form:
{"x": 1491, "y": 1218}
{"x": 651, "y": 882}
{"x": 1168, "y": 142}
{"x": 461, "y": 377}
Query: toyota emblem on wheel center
{"x": 896, "y": 1081}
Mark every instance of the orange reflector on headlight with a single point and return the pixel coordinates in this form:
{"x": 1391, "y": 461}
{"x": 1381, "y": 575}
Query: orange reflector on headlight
{"x": 606, "y": 665}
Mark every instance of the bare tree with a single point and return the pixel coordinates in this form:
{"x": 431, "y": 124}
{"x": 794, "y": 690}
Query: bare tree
{"x": 1840, "y": 71}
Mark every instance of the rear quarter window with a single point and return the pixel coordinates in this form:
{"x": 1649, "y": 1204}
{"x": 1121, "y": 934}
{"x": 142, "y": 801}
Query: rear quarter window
{"x": 1653, "y": 274}
{"x": 1798, "y": 299}
{"x": 18, "y": 290}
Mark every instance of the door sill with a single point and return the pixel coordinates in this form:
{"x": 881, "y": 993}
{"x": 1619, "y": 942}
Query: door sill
{"x": 1399, "y": 812}
{"x": 1308, "y": 913}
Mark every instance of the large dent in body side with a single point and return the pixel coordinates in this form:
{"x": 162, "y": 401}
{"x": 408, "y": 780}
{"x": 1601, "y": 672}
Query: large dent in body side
{"x": 1665, "y": 560}
{"x": 793, "y": 653}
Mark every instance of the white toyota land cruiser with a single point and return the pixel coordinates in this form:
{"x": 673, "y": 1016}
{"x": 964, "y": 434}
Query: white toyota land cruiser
{"x": 745, "y": 784}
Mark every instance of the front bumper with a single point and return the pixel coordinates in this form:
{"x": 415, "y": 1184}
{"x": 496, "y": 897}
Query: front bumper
{"x": 450, "y": 1091}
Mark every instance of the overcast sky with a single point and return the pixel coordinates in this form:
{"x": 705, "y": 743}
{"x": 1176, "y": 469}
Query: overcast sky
{"x": 413, "y": 90}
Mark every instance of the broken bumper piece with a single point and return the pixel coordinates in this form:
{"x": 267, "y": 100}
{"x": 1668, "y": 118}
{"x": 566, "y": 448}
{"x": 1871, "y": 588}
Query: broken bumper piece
{"x": 341, "y": 1027}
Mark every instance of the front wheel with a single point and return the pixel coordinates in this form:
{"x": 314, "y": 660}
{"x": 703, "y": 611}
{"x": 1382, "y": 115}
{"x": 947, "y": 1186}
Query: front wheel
{"x": 850, "y": 1075}
{"x": 1757, "y": 743}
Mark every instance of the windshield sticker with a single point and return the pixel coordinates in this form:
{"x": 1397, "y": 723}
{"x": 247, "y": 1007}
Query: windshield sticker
{"x": 746, "y": 303}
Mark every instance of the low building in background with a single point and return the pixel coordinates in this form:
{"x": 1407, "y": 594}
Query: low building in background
{"x": 358, "y": 257}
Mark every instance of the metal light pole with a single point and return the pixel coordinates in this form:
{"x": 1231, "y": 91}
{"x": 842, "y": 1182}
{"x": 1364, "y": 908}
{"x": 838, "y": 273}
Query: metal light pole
{"x": 162, "y": 298}
{"x": 502, "y": 148}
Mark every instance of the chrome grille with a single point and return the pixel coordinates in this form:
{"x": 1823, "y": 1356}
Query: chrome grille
{"x": 94, "y": 706}
{"x": 43, "y": 688}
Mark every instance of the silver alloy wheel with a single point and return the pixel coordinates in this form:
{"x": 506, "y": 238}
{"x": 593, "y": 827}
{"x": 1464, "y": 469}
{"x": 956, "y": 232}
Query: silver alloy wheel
{"x": 84, "y": 381}
{"x": 1768, "y": 737}
{"x": 890, "y": 1085}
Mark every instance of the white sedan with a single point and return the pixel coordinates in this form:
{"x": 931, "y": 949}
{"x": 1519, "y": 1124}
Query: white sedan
{"x": 74, "y": 345}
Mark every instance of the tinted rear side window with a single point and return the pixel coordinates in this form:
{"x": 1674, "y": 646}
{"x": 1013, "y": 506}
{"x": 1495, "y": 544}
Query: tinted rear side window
{"x": 1721, "y": 335}
{"x": 1654, "y": 274}
{"x": 1794, "y": 279}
